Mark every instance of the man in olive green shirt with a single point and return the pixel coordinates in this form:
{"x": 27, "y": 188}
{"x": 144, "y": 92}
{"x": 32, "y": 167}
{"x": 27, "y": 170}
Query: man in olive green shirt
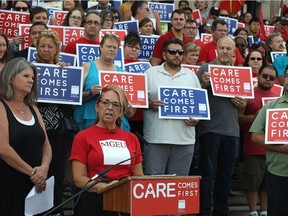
{"x": 276, "y": 158}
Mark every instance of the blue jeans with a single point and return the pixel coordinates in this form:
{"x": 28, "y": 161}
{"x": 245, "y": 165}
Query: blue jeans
{"x": 218, "y": 154}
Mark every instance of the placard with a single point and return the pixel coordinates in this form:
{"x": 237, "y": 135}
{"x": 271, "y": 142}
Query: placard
{"x": 232, "y": 24}
{"x": 267, "y": 99}
{"x": 10, "y": 20}
{"x": 137, "y": 67}
{"x": 88, "y": 52}
{"x": 24, "y": 32}
{"x": 164, "y": 10}
{"x": 276, "y": 131}
{"x": 206, "y": 38}
{"x": 229, "y": 81}
{"x": 197, "y": 16}
{"x": 134, "y": 85}
{"x": 130, "y": 26}
{"x": 183, "y": 102}
{"x": 120, "y": 33}
{"x": 60, "y": 16}
{"x": 59, "y": 85}
{"x": 193, "y": 68}
{"x": 147, "y": 46}
{"x": 275, "y": 55}
{"x": 63, "y": 57}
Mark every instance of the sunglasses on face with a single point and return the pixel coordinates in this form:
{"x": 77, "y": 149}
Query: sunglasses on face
{"x": 224, "y": 15}
{"x": 254, "y": 58}
{"x": 174, "y": 52}
{"x": 266, "y": 76}
{"x": 116, "y": 17}
{"x": 21, "y": 8}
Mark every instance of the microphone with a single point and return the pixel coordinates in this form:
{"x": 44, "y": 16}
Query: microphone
{"x": 103, "y": 172}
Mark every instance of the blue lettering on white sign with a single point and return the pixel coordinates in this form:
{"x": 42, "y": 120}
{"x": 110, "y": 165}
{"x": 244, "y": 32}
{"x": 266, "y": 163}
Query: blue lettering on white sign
{"x": 275, "y": 55}
{"x": 182, "y": 103}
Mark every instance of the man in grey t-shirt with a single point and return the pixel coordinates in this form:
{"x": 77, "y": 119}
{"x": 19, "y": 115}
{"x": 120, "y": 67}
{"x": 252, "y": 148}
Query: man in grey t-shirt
{"x": 219, "y": 138}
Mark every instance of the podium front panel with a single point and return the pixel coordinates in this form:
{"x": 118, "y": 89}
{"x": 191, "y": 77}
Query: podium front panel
{"x": 164, "y": 197}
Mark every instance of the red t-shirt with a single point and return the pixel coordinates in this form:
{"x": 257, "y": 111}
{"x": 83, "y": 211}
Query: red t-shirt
{"x": 249, "y": 147}
{"x": 158, "y": 48}
{"x": 208, "y": 54}
{"x": 100, "y": 148}
{"x": 71, "y": 47}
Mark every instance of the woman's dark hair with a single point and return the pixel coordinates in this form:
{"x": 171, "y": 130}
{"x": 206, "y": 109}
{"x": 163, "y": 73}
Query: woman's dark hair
{"x": 238, "y": 30}
{"x": 66, "y": 20}
{"x": 256, "y": 45}
{"x": 6, "y": 56}
{"x": 132, "y": 39}
{"x": 246, "y": 61}
{"x": 24, "y": 1}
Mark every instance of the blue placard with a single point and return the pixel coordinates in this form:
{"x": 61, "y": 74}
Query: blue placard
{"x": 51, "y": 11}
{"x": 88, "y": 52}
{"x": 63, "y": 57}
{"x": 129, "y": 26}
{"x": 183, "y": 102}
{"x": 117, "y": 3}
{"x": 147, "y": 46}
{"x": 137, "y": 67}
{"x": 59, "y": 85}
{"x": 164, "y": 10}
{"x": 275, "y": 55}
{"x": 232, "y": 24}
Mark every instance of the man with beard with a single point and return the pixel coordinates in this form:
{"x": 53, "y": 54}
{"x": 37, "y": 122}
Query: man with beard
{"x": 254, "y": 165}
{"x": 207, "y": 54}
{"x": 92, "y": 27}
{"x": 276, "y": 157}
{"x": 178, "y": 20}
{"x": 219, "y": 138}
{"x": 172, "y": 140}
{"x": 275, "y": 44}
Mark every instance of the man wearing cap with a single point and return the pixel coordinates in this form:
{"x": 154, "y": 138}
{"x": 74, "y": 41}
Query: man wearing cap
{"x": 213, "y": 14}
{"x": 208, "y": 52}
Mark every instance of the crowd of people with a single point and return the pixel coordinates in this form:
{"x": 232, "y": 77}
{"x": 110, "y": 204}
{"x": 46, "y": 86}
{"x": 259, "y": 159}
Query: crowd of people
{"x": 33, "y": 148}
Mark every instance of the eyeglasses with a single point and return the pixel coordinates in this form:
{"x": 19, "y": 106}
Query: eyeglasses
{"x": 108, "y": 20}
{"x": 21, "y": 8}
{"x": 90, "y": 22}
{"x": 147, "y": 9}
{"x": 224, "y": 15}
{"x": 106, "y": 103}
{"x": 75, "y": 18}
{"x": 174, "y": 52}
{"x": 265, "y": 76}
{"x": 116, "y": 17}
{"x": 254, "y": 58}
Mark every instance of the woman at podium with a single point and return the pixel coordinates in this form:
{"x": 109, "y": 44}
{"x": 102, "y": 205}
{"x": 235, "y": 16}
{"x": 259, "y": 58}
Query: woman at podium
{"x": 101, "y": 146}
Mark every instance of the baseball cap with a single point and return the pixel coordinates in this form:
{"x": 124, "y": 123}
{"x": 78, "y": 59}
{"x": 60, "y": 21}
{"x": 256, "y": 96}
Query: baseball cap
{"x": 214, "y": 11}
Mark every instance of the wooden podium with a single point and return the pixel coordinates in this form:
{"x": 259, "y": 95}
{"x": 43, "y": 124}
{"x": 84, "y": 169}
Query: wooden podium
{"x": 153, "y": 195}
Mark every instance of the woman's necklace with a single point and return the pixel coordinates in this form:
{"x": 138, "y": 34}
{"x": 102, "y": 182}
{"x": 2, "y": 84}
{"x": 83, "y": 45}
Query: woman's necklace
{"x": 22, "y": 111}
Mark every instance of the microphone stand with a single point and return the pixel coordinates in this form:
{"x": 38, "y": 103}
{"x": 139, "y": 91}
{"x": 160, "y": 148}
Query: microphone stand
{"x": 101, "y": 176}
{"x": 100, "y": 179}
